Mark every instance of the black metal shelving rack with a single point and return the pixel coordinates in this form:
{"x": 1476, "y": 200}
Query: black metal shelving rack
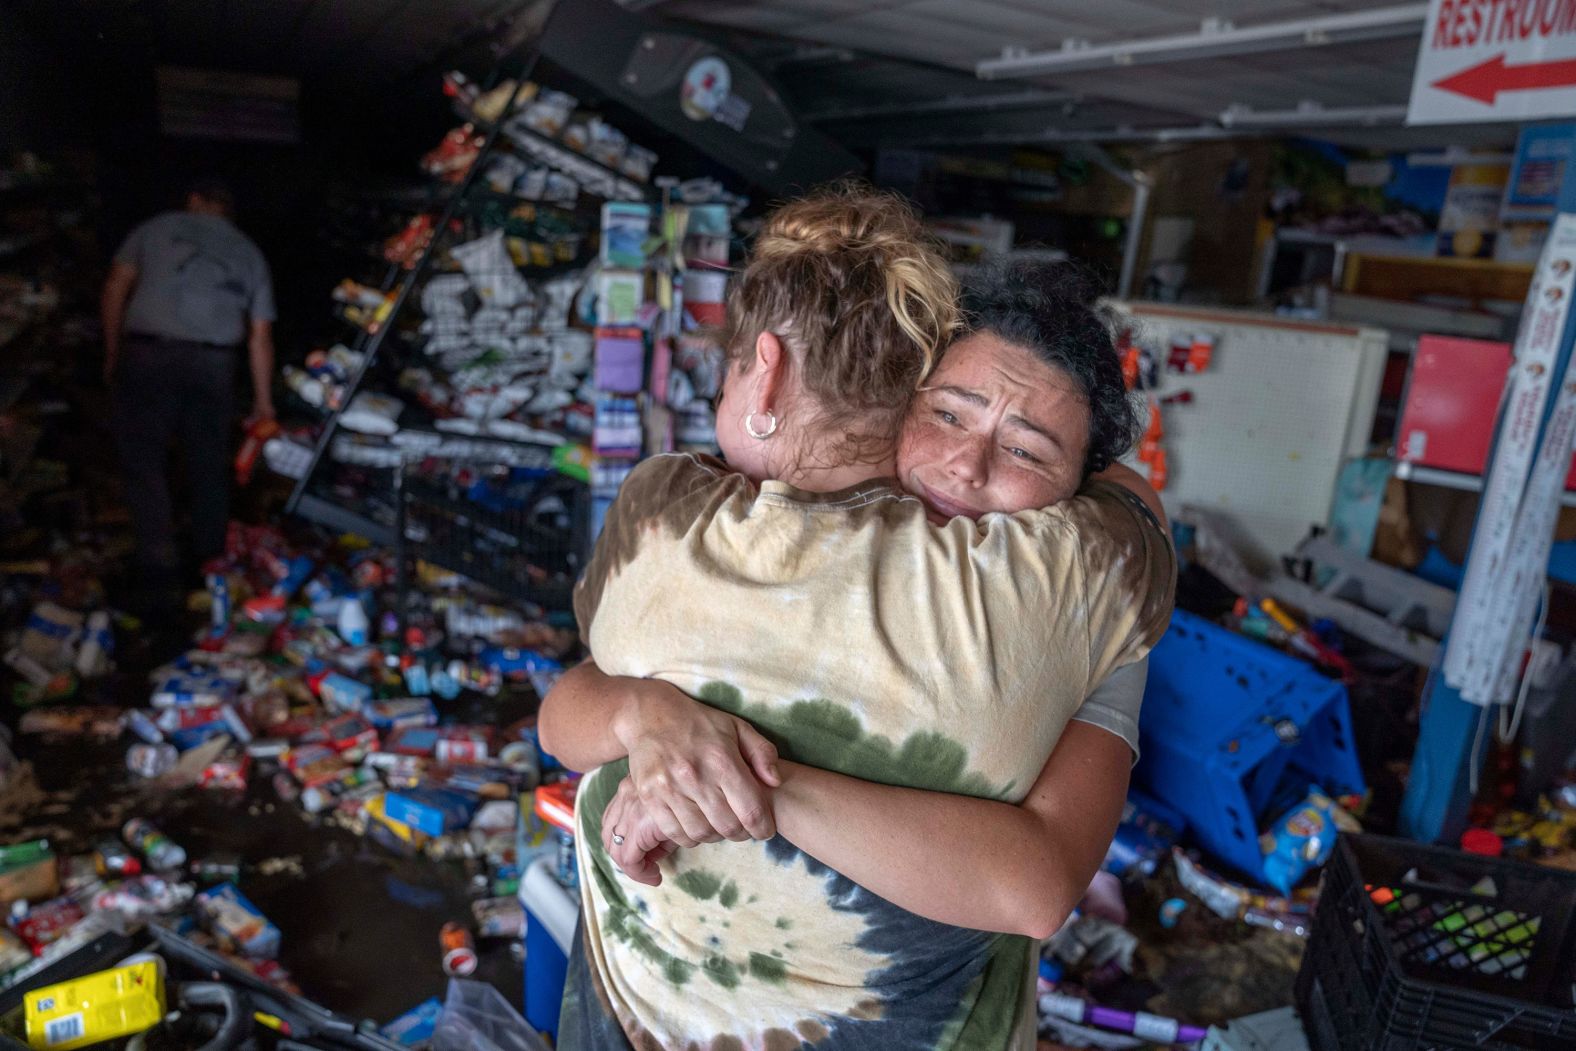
{"x": 430, "y": 522}
{"x": 638, "y": 66}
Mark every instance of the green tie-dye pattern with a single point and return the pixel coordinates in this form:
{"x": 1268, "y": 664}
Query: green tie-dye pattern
{"x": 699, "y": 884}
{"x": 722, "y": 971}
{"x": 622, "y": 919}
{"x": 768, "y": 968}
{"x": 828, "y": 735}
{"x": 978, "y": 1023}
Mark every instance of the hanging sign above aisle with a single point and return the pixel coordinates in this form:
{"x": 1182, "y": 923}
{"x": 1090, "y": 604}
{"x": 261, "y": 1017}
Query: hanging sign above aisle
{"x": 1495, "y": 60}
{"x": 696, "y": 90}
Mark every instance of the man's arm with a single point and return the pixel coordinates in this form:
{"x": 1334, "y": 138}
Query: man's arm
{"x": 954, "y": 859}
{"x": 112, "y": 311}
{"x": 260, "y": 355}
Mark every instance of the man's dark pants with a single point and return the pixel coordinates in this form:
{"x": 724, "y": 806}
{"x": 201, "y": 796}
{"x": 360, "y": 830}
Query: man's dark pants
{"x": 169, "y": 391}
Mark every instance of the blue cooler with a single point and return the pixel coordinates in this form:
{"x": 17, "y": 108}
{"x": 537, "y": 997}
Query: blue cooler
{"x": 550, "y": 917}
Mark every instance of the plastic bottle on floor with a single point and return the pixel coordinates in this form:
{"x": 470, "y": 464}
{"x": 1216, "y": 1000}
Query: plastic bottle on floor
{"x": 353, "y": 624}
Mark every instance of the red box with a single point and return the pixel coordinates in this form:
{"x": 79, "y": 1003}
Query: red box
{"x": 1452, "y": 399}
{"x": 46, "y": 923}
{"x": 228, "y": 773}
{"x": 350, "y": 732}
{"x": 462, "y": 744}
{"x": 555, "y": 804}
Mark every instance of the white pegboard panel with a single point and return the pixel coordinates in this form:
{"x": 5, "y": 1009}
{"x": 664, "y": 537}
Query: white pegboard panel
{"x": 1281, "y": 407}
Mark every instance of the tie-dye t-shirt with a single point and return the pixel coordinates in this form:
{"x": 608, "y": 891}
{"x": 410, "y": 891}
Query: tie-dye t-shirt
{"x": 860, "y": 639}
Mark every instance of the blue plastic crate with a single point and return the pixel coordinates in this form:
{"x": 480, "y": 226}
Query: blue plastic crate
{"x": 1234, "y": 733}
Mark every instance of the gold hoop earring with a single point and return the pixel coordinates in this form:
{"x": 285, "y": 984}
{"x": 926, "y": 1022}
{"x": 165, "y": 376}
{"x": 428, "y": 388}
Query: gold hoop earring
{"x": 771, "y": 427}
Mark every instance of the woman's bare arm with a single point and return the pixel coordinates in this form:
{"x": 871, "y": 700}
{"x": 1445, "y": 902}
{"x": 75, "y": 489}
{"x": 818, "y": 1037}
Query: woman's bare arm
{"x": 966, "y": 861}
{"x": 703, "y": 774}
{"x": 954, "y": 859}
{"x": 1131, "y": 480}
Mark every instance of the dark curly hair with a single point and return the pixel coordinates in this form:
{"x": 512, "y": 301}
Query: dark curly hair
{"x": 1053, "y": 311}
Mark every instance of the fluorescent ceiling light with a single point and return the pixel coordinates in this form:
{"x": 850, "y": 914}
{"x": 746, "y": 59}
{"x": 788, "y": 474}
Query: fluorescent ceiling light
{"x": 1310, "y": 115}
{"x": 1215, "y": 39}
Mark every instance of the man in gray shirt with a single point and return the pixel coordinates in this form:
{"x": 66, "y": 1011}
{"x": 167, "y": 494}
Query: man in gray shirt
{"x": 186, "y": 290}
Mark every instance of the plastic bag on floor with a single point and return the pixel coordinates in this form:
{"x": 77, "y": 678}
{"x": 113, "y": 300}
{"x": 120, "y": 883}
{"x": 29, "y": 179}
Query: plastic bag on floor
{"x": 477, "y": 1017}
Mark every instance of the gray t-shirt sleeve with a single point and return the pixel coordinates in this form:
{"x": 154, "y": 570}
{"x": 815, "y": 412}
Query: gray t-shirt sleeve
{"x": 131, "y": 249}
{"x": 1115, "y": 703}
{"x": 261, "y": 308}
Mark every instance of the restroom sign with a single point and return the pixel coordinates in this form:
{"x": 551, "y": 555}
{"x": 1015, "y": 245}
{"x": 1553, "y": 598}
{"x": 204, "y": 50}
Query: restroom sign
{"x": 1495, "y": 60}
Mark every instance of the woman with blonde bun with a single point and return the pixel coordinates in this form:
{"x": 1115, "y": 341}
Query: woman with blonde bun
{"x": 897, "y": 679}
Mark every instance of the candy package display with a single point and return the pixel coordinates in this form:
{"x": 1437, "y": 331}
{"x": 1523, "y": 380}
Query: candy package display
{"x": 625, "y": 227}
{"x": 1299, "y": 842}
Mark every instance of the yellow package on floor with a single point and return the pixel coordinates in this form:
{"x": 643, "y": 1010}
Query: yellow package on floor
{"x": 95, "y": 1007}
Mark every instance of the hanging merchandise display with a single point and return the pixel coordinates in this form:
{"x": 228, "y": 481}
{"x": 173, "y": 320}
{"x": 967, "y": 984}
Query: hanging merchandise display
{"x": 1515, "y": 524}
{"x": 1186, "y": 353}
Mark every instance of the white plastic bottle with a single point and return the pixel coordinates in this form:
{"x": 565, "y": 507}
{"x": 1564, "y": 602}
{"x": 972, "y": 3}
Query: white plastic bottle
{"x": 353, "y": 625}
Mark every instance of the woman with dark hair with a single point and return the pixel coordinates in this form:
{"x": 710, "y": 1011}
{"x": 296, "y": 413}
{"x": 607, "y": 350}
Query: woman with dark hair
{"x": 931, "y": 795}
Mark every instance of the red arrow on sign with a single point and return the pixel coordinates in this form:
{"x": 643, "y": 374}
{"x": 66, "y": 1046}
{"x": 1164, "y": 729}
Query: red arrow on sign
{"x": 1486, "y": 80}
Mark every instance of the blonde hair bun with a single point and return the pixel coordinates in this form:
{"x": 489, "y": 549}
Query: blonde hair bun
{"x": 851, "y": 283}
{"x": 857, "y": 224}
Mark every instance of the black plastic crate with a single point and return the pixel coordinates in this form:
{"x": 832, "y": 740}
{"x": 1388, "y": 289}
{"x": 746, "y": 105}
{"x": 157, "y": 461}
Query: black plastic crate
{"x": 1420, "y": 947}
{"x": 533, "y": 552}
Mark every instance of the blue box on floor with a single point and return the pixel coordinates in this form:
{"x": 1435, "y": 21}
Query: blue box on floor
{"x": 430, "y": 810}
{"x": 1234, "y": 733}
{"x": 551, "y": 915}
